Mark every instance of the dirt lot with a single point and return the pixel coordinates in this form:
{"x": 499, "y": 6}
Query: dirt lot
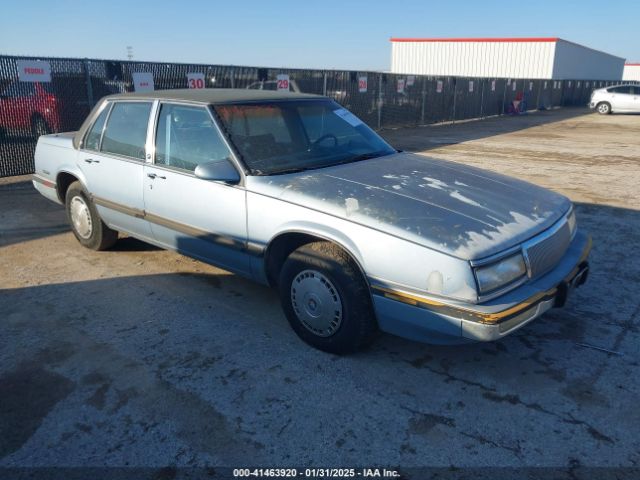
{"x": 141, "y": 357}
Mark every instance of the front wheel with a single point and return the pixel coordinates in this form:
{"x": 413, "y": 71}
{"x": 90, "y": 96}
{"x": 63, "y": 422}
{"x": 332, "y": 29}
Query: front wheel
{"x": 326, "y": 299}
{"x": 86, "y": 224}
{"x": 603, "y": 108}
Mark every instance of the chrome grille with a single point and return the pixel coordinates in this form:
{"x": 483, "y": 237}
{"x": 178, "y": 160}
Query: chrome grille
{"x": 542, "y": 255}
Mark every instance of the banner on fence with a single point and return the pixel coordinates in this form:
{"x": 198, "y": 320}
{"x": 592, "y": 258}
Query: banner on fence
{"x": 143, "y": 81}
{"x": 362, "y": 84}
{"x": 33, "y": 71}
{"x": 282, "y": 82}
{"x": 195, "y": 80}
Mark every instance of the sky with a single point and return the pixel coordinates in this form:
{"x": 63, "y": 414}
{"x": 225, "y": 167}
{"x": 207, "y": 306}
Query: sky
{"x": 344, "y": 34}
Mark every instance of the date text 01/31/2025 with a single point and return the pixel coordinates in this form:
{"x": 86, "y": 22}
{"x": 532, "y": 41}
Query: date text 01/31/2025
{"x": 315, "y": 473}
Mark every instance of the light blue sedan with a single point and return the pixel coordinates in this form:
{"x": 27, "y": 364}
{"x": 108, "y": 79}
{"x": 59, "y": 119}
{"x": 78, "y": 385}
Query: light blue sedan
{"x": 294, "y": 191}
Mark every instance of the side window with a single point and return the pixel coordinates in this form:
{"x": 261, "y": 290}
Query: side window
{"x": 126, "y": 131}
{"x": 92, "y": 140}
{"x": 187, "y": 137}
{"x": 626, "y": 89}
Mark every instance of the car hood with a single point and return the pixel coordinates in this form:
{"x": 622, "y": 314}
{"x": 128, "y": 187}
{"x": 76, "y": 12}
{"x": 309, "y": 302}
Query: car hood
{"x": 450, "y": 207}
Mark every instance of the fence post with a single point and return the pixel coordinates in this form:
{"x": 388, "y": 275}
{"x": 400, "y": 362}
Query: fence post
{"x": 482, "y": 98}
{"x": 87, "y": 79}
{"x": 233, "y": 78}
{"x": 455, "y": 94}
{"x": 379, "y": 101}
{"x": 504, "y": 98}
{"x": 324, "y": 84}
{"x": 424, "y": 97}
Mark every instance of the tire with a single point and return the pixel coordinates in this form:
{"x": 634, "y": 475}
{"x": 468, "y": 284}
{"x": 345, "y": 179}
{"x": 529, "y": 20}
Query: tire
{"x": 39, "y": 126}
{"x": 86, "y": 224}
{"x": 603, "y": 108}
{"x": 326, "y": 299}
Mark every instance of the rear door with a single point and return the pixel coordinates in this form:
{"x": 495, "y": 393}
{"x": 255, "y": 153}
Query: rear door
{"x": 201, "y": 218}
{"x": 112, "y": 160}
{"x": 636, "y": 98}
{"x": 621, "y": 98}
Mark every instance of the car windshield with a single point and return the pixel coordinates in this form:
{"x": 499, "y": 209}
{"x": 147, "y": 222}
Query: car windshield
{"x": 295, "y": 135}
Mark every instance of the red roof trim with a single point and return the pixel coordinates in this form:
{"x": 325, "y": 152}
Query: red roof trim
{"x": 632, "y": 64}
{"x": 527, "y": 40}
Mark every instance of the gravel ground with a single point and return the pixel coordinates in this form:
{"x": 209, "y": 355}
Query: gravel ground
{"x": 139, "y": 357}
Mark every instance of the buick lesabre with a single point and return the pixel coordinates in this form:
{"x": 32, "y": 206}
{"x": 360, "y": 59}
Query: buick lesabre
{"x": 294, "y": 191}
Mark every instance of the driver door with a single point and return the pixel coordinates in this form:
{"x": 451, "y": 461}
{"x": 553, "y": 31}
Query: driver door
{"x": 200, "y": 218}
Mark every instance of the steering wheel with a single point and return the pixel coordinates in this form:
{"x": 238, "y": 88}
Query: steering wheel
{"x": 324, "y": 137}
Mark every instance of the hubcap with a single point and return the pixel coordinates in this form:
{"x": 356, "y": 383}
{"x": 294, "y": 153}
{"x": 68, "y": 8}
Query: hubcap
{"x": 81, "y": 217}
{"x": 604, "y": 109}
{"x": 316, "y": 302}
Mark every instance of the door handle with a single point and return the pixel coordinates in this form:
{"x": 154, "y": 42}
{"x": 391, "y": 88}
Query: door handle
{"x": 91, "y": 160}
{"x": 154, "y": 176}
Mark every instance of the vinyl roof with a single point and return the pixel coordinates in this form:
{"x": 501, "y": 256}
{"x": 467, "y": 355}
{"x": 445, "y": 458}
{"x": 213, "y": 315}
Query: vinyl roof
{"x": 214, "y": 95}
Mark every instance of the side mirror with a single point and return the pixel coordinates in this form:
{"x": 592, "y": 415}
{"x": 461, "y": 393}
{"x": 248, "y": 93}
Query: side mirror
{"x": 219, "y": 171}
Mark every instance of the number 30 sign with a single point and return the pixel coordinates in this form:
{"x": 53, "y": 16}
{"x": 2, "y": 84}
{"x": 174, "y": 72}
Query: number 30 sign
{"x": 195, "y": 80}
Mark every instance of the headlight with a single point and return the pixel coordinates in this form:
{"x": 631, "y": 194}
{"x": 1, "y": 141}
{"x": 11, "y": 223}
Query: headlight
{"x": 501, "y": 273}
{"x": 571, "y": 221}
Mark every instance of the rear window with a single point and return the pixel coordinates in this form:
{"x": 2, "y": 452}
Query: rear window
{"x": 126, "y": 131}
{"x": 92, "y": 142}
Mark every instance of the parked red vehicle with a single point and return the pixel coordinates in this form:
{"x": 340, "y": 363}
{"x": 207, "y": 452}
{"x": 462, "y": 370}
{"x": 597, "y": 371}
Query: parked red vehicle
{"x": 29, "y": 107}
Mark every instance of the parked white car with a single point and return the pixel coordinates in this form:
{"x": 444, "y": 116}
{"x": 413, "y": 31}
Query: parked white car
{"x": 621, "y": 98}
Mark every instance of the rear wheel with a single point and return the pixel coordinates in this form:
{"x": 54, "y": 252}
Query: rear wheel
{"x": 86, "y": 224}
{"x": 39, "y": 126}
{"x": 326, "y": 299}
{"x": 603, "y": 108}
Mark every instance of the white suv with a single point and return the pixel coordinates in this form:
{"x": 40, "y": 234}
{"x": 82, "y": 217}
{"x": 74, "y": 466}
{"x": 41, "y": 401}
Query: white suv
{"x": 621, "y": 98}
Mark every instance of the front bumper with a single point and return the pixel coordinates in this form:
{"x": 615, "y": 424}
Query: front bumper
{"x": 433, "y": 321}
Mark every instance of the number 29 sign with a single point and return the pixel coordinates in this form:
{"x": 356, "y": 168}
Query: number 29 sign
{"x": 282, "y": 81}
{"x": 195, "y": 80}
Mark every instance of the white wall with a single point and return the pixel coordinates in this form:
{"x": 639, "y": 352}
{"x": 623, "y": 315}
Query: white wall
{"x": 631, "y": 72}
{"x": 548, "y": 59}
{"x": 573, "y": 61}
{"x": 474, "y": 59}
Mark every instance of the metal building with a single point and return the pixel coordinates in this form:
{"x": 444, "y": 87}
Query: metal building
{"x": 631, "y": 71}
{"x": 545, "y": 58}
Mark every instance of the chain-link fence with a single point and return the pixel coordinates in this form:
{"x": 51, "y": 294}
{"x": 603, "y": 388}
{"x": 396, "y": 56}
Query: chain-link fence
{"x": 44, "y": 95}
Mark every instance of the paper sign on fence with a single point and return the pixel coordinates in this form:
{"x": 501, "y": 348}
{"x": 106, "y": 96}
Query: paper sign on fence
{"x": 282, "y": 81}
{"x": 195, "y": 80}
{"x": 362, "y": 84}
{"x": 33, "y": 71}
{"x": 143, "y": 81}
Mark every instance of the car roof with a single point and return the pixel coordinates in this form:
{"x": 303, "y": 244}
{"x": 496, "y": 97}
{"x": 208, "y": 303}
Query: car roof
{"x": 214, "y": 95}
{"x": 209, "y": 96}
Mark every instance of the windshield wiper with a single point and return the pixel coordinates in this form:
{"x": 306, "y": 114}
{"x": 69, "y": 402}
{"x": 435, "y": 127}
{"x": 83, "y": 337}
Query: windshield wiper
{"x": 289, "y": 170}
{"x": 363, "y": 156}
